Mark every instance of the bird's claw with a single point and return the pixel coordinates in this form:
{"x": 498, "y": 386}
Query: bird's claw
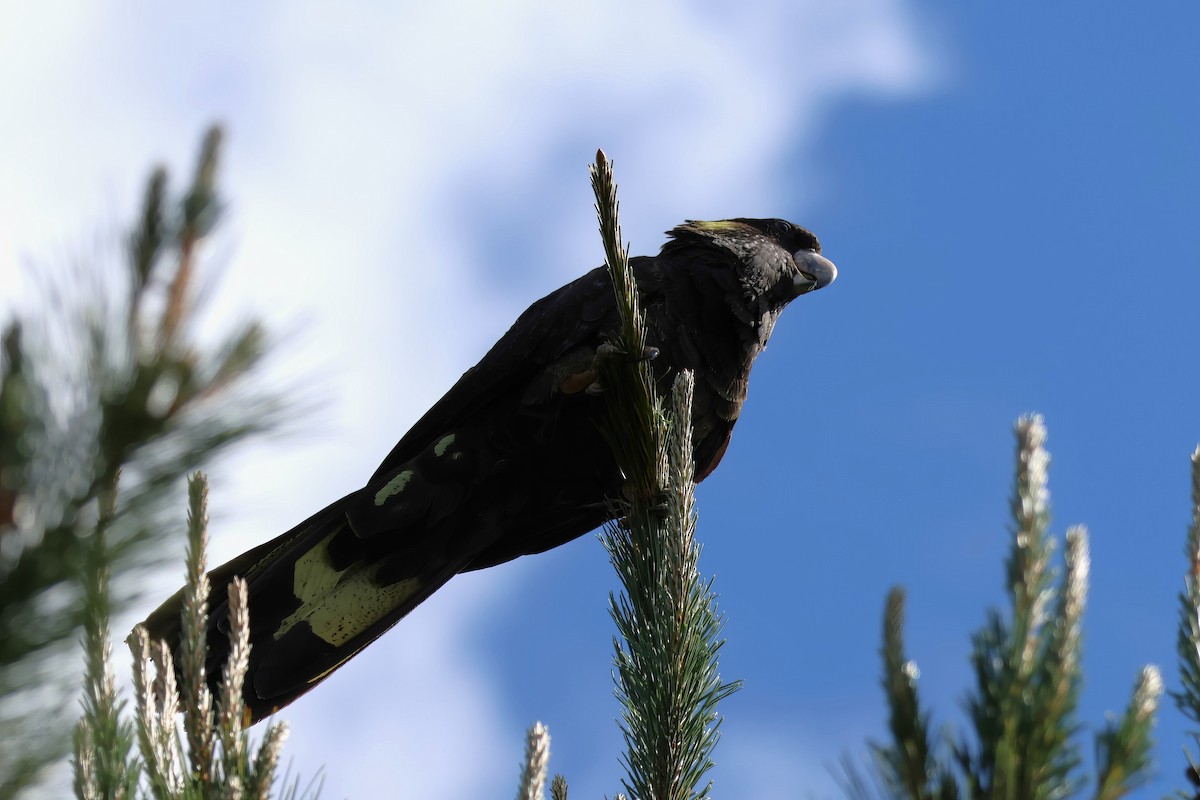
{"x": 661, "y": 507}
{"x": 610, "y": 350}
{"x": 658, "y": 504}
{"x": 649, "y": 353}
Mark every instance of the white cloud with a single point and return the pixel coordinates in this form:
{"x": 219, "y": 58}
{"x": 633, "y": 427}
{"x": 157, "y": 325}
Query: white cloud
{"x": 387, "y": 163}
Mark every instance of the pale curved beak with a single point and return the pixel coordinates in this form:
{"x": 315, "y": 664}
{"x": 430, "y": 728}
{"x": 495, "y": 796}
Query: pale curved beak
{"x": 816, "y": 271}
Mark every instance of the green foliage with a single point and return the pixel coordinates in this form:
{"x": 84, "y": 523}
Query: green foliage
{"x": 1027, "y": 667}
{"x": 635, "y": 427}
{"x": 1188, "y": 639}
{"x": 1123, "y": 747}
{"x": 103, "y": 742}
{"x": 537, "y": 758}
{"x": 105, "y": 379}
{"x": 211, "y": 755}
{"x": 667, "y": 678}
{"x": 906, "y": 765}
{"x": 1028, "y": 675}
{"x": 667, "y": 670}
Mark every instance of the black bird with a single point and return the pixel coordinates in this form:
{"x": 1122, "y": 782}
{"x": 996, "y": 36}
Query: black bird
{"x": 511, "y": 460}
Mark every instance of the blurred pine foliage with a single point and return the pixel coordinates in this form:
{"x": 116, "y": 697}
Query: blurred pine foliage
{"x": 105, "y": 378}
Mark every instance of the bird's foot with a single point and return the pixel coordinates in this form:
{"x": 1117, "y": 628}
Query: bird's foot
{"x": 610, "y": 350}
{"x": 661, "y": 507}
{"x": 659, "y": 502}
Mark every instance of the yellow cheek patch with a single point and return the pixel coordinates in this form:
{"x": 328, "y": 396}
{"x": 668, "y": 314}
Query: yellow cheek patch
{"x": 394, "y": 486}
{"x": 340, "y": 604}
{"x": 716, "y": 225}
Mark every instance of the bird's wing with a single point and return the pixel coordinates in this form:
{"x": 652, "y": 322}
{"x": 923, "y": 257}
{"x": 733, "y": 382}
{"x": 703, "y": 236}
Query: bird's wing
{"x": 572, "y": 319}
{"x": 352, "y": 572}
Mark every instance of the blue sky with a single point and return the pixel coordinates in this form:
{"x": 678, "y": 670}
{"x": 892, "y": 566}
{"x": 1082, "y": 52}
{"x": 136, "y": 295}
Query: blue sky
{"x": 1010, "y": 193}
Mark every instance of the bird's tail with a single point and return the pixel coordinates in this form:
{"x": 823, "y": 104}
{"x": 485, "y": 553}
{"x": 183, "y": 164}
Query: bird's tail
{"x": 315, "y": 599}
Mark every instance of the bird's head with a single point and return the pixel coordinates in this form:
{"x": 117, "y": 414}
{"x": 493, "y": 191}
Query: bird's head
{"x": 776, "y": 260}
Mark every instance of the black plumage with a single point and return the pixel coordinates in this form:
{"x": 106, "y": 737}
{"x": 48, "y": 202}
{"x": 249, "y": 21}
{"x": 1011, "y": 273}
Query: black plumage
{"x": 511, "y": 460}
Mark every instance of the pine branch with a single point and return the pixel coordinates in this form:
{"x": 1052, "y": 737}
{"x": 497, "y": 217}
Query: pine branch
{"x": 193, "y": 645}
{"x": 103, "y": 742}
{"x": 1024, "y": 729}
{"x": 107, "y": 379}
{"x": 636, "y": 427}
{"x": 1187, "y": 700}
{"x": 1123, "y": 748}
{"x": 156, "y": 710}
{"x": 532, "y": 785}
{"x": 1188, "y": 640}
{"x": 667, "y": 678}
{"x": 1028, "y": 674}
{"x": 906, "y": 765}
{"x": 211, "y": 757}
